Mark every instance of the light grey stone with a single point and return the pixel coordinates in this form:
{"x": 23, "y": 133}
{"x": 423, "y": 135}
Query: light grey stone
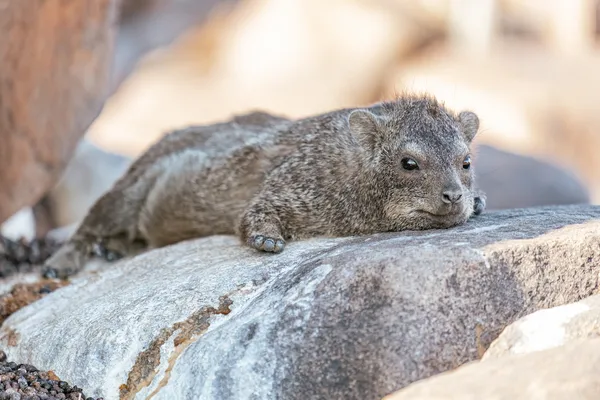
{"x": 549, "y": 328}
{"x": 570, "y": 372}
{"x": 348, "y": 318}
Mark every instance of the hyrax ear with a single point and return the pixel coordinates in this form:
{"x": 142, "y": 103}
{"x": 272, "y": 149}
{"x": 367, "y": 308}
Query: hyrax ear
{"x": 470, "y": 124}
{"x": 364, "y": 125}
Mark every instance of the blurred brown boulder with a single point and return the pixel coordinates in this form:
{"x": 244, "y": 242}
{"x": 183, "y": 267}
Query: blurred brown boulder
{"x": 56, "y": 58}
{"x": 294, "y": 58}
{"x": 145, "y": 25}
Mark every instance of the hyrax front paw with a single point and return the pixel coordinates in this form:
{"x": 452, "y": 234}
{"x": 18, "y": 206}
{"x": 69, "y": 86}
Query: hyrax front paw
{"x": 67, "y": 261}
{"x": 478, "y": 205}
{"x": 262, "y": 230}
{"x": 100, "y": 250}
{"x": 73, "y": 255}
{"x": 266, "y": 243}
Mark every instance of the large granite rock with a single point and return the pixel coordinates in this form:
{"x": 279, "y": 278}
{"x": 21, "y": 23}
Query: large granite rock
{"x": 54, "y": 76}
{"x": 550, "y": 328}
{"x": 552, "y": 353}
{"x": 569, "y": 372}
{"x": 351, "y": 318}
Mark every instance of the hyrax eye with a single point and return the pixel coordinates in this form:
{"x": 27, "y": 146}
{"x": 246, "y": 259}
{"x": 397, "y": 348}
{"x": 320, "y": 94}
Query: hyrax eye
{"x": 467, "y": 162}
{"x": 409, "y": 164}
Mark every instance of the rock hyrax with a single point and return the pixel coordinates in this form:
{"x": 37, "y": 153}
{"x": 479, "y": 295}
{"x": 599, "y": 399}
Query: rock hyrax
{"x": 397, "y": 165}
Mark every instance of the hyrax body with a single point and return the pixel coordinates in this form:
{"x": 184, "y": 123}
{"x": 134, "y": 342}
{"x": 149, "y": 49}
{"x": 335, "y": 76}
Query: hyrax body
{"x": 396, "y": 165}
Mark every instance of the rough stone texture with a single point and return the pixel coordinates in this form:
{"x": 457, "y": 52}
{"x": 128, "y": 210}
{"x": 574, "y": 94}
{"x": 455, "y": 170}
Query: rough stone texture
{"x": 546, "y": 329}
{"x": 564, "y": 373}
{"x": 24, "y": 294}
{"x": 352, "y": 318}
{"x": 55, "y": 57}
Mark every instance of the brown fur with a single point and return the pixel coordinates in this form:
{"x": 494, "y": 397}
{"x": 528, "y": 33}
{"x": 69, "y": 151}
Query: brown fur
{"x": 270, "y": 180}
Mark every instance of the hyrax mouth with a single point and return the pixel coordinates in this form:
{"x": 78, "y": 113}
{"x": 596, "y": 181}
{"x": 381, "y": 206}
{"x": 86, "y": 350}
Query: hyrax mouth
{"x": 443, "y": 213}
{"x": 442, "y": 218}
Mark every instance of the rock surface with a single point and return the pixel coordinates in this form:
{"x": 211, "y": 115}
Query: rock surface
{"x": 353, "y": 318}
{"x": 546, "y": 329}
{"x": 564, "y": 373}
{"x": 54, "y": 75}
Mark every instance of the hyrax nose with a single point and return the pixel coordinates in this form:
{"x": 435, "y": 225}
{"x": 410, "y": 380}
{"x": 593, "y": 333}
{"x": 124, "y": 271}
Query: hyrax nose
{"x": 451, "y": 196}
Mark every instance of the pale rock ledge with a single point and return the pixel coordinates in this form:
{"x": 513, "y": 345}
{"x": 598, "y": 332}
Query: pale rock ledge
{"x": 351, "y": 318}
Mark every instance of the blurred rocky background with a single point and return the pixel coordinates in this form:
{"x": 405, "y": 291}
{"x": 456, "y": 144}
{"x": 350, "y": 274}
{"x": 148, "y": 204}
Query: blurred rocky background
{"x": 528, "y": 68}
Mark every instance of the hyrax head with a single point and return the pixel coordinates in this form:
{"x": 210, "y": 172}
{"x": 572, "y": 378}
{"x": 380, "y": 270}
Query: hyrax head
{"x": 419, "y": 153}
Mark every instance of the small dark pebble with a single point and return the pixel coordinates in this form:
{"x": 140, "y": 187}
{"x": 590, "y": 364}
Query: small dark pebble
{"x": 44, "y": 290}
{"x": 22, "y": 256}
{"x": 22, "y": 383}
{"x": 25, "y": 382}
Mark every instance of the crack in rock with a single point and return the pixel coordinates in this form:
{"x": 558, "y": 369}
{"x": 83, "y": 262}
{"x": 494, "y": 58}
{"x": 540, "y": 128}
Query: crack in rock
{"x": 144, "y": 370}
{"x": 11, "y": 337}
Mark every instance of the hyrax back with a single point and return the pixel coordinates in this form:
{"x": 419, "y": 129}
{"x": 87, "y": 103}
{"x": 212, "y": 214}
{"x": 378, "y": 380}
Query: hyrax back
{"x": 397, "y": 165}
